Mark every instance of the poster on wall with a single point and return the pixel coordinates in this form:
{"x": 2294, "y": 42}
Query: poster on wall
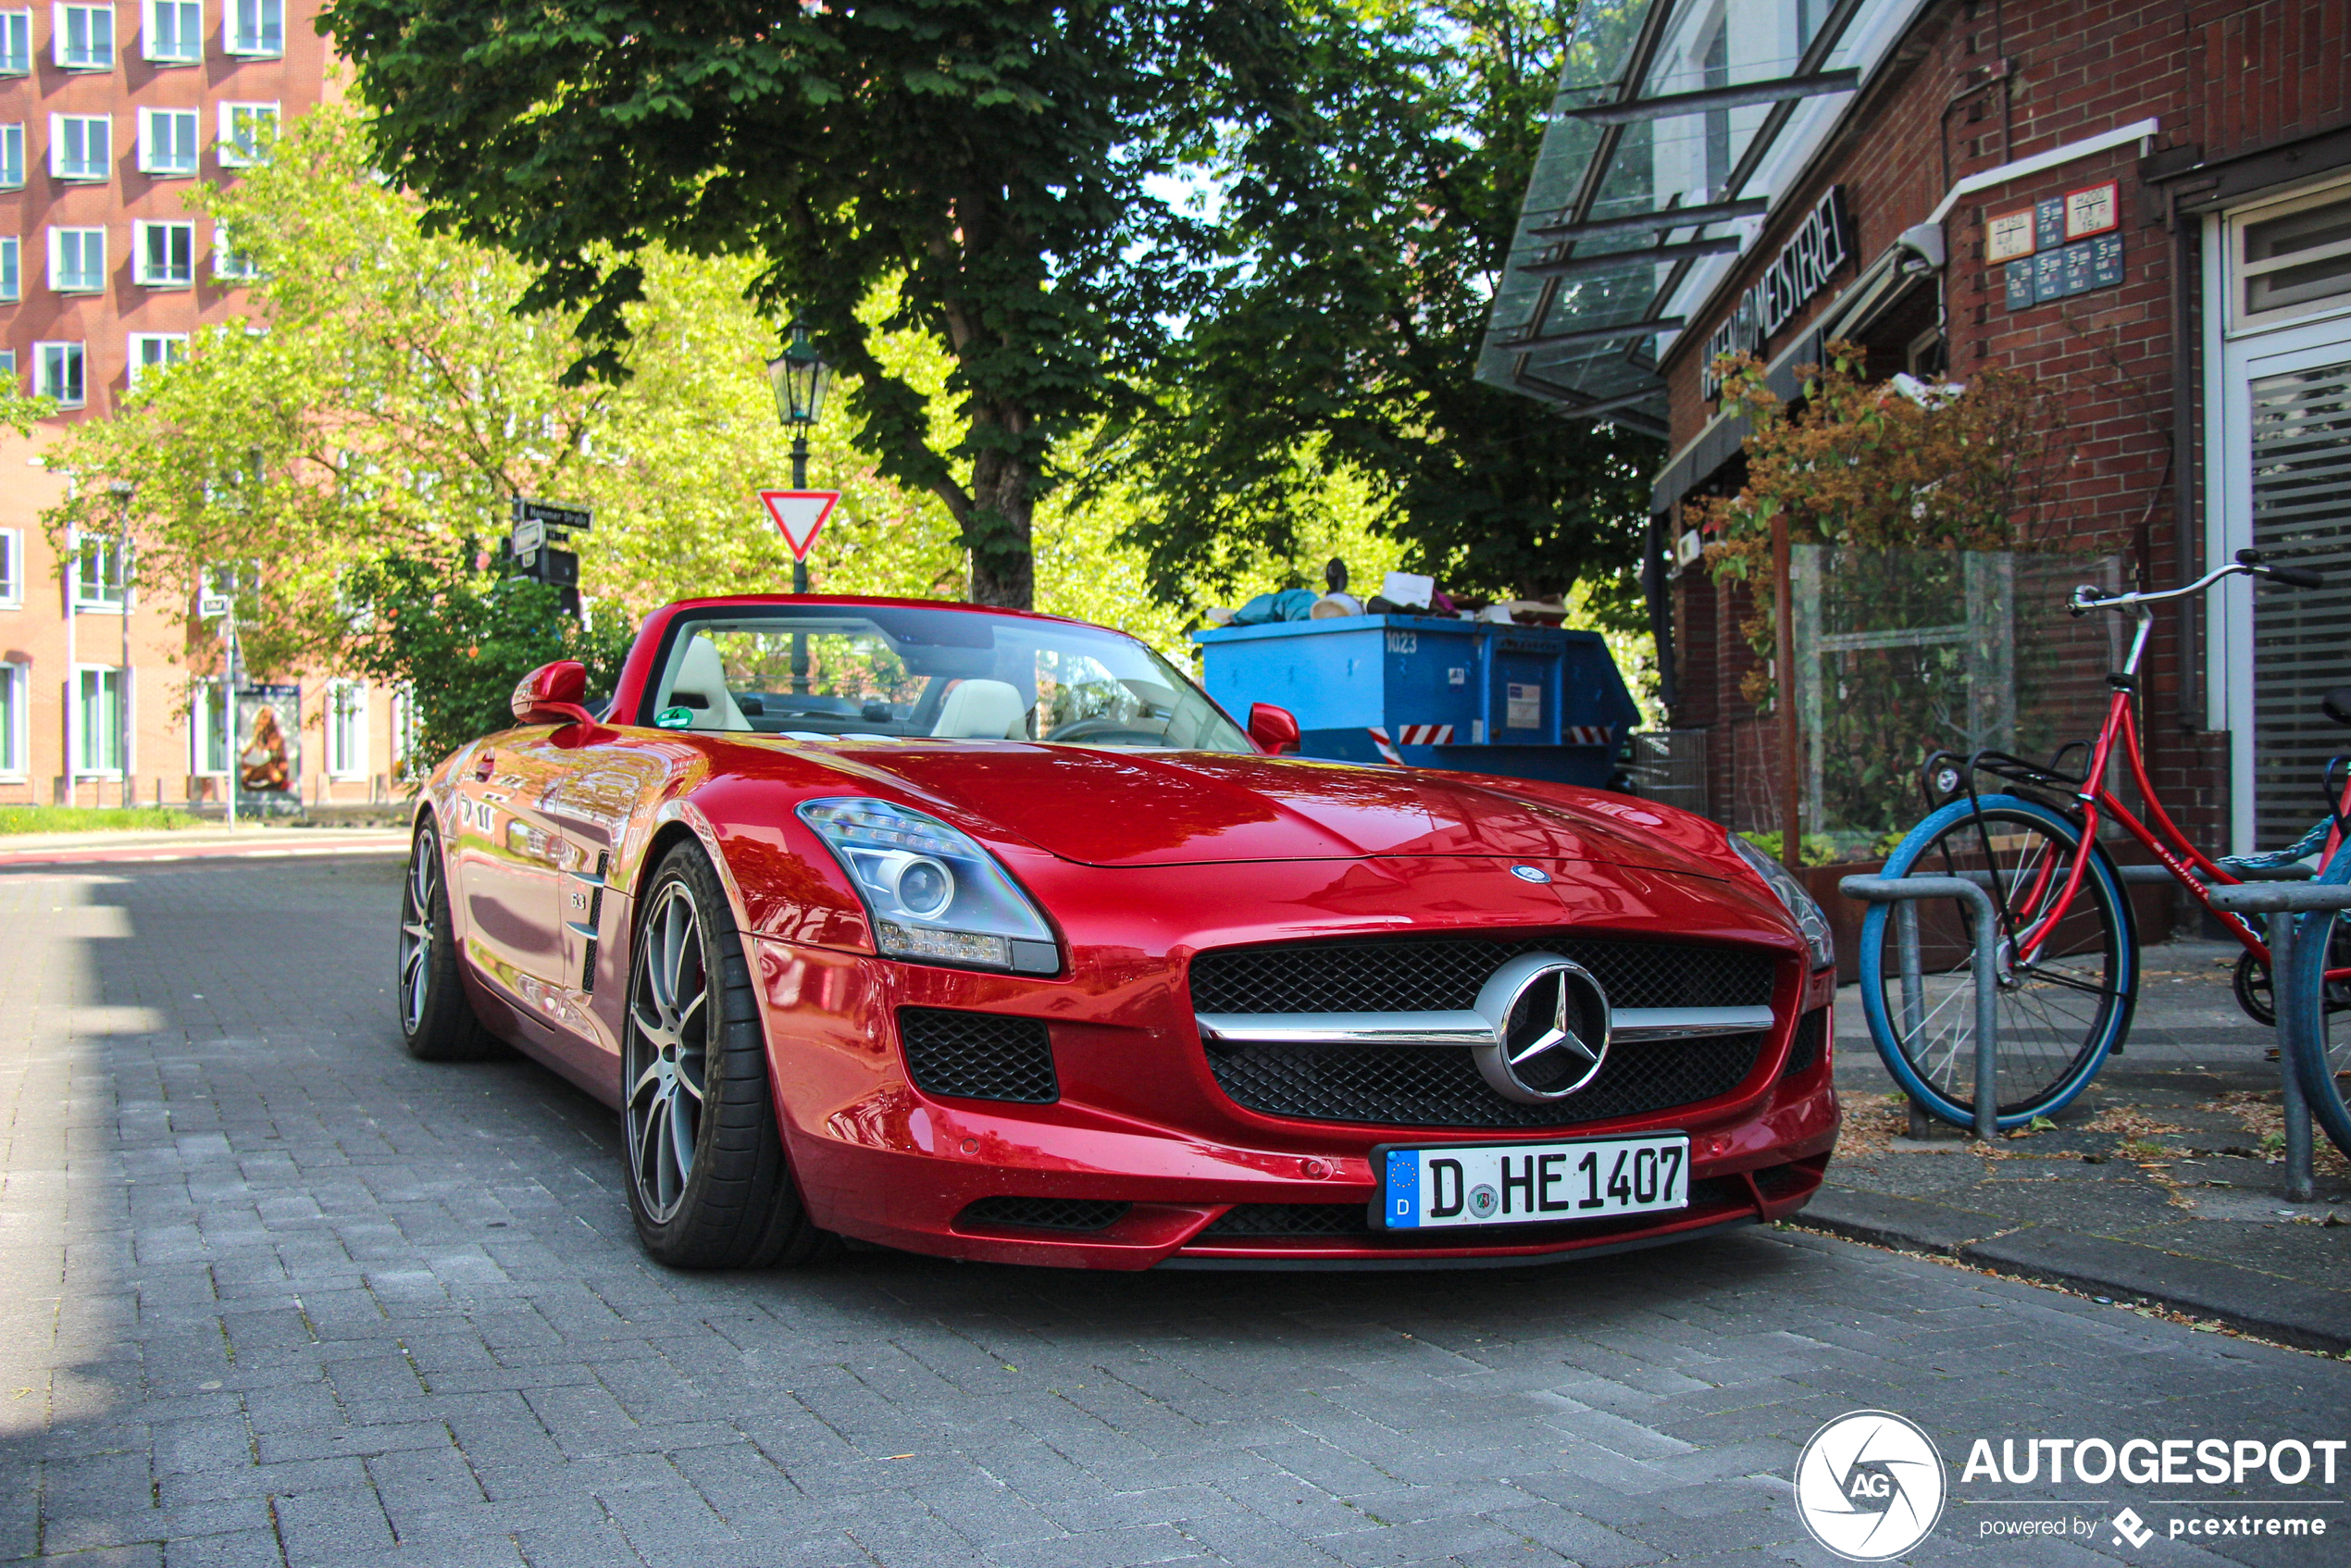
{"x": 269, "y": 761}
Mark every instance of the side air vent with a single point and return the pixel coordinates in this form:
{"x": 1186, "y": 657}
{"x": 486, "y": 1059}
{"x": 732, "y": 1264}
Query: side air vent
{"x": 1046, "y": 1214}
{"x": 978, "y": 1056}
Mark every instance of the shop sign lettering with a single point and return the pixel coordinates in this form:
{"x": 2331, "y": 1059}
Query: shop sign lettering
{"x": 1802, "y": 269}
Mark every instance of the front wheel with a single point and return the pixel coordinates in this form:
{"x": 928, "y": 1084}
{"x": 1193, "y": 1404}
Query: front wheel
{"x": 2062, "y": 1006}
{"x": 707, "y": 1178}
{"x": 2322, "y": 942}
{"x": 437, "y": 1021}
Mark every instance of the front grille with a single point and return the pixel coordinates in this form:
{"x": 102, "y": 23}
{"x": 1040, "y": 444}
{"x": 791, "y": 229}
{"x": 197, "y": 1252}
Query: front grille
{"x": 1436, "y": 975}
{"x": 1247, "y": 1221}
{"x": 1811, "y": 1033}
{"x": 978, "y": 1056}
{"x": 1415, "y": 1086}
{"x": 1045, "y": 1214}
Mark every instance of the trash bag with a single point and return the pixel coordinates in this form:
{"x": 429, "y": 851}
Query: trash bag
{"x": 1289, "y": 605}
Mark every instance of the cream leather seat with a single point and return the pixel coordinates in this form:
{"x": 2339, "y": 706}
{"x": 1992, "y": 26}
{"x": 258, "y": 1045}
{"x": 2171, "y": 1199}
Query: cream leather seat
{"x": 702, "y": 674}
{"x": 983, "y": 710}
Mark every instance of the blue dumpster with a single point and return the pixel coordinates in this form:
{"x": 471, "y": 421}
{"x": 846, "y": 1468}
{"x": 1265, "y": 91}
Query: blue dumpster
{"x": 1526, "y": 702}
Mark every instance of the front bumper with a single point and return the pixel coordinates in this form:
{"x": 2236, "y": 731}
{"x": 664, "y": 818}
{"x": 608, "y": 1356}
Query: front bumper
{"x": 1162, "y": 1168}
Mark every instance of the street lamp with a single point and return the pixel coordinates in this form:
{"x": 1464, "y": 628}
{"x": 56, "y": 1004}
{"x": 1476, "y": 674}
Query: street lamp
{"x": 122, "y": 490}
{"x": 801, "y": 377}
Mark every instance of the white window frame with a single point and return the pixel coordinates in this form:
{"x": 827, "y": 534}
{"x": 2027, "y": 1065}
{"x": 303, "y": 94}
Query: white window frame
{"x": 76, "y": 565}
{"x": 15, "y": 42}
{"x": 185, "y": 10}
{"x": 149, "y": 162}
{"x": 200, "y": 725}
{"x": 2236, "y": 224}
{"x": 136, "y": 352}
{"x": 92, "y": 171}
{"x": 346, "y": 700}
{"x": 229, "y": 262}
{"x": 56, "y": 264}
{"x": 61, "y": 20}
{"x": 40, "y": 387}
{"x": 231, "y": 151}
{"x": 256, "y": 44}
{"x": 16, "y": 720}
{"x": 77, "y": 763}
{"x": 143, "y": 234}
{"x": 12, "y": 156}
{"x": 11, "y": 269}
{"x": 11, "y": 569}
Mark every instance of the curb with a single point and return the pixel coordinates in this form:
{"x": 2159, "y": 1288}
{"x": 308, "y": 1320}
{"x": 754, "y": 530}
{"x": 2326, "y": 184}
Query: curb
{"x": 2286, "y": 1311}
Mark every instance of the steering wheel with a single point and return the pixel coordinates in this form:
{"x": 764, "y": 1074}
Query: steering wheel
{"x": 1107, "y": 731}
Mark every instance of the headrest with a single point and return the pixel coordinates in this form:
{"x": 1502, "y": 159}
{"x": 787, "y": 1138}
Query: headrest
{"x": 701, "y": 673}
{"x": 983, "y": 710}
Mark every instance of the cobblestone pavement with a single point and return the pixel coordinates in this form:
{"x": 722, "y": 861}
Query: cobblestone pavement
{"x": 270, "y": 1292}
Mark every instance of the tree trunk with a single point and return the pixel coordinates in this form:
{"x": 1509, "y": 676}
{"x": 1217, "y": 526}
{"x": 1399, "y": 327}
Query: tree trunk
{"x": 996, "y": 527}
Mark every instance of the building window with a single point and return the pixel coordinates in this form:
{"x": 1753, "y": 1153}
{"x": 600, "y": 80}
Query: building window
{"x": 11, "y": 271}
{"x": 257, "y": 27}
{"x": 167, "y": 141}
{"x": 97, "y": 573}
{"x": 56, "y": 373}
{"x": 83, "y": 37}
{"x": 1715, "y": 71}
{"x": 15, "y": 678}
{"x": 207, "y": 731}
{"x": 11, "y": 158}
{"x": 247, "y": 130}
{"x": 346, "y": 729}
{"x": 173, "y": 32}
{"x": 15, "y": 42}
{"x": 228, "y": 261}
{"x": 11, "y": 569}
{"x": 166, "y": 254}
{"x": 2294, "y": 257}
{"x": 152, "y": 351}
{"x": 99, "y": 701}
{"x": 8, "y": 366}
{"x": 77, "y": 260}
{"x": 81, "y": 146}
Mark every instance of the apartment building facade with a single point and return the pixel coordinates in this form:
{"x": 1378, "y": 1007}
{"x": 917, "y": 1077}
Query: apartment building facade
{"x": 111, "y": 114}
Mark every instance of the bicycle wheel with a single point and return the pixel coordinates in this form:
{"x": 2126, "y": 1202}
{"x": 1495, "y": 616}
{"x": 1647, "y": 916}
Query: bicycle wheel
{"x": 2059, "y": 1012}
{"x": 2322, "y": 941}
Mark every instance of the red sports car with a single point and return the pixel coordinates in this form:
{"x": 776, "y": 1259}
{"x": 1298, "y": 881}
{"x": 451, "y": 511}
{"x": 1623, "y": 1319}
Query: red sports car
{"x": 987, "y": 934}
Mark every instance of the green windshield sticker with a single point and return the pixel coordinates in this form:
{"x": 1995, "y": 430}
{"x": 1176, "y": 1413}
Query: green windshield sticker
{"x": 674, "y": 718}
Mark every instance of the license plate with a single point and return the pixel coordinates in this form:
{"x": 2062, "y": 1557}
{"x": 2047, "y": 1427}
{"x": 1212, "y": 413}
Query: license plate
{"x": 1485, "y": 1184}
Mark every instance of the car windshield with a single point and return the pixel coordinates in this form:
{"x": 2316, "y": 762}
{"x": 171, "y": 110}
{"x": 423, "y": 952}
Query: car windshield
{"x": 828, "y": 671}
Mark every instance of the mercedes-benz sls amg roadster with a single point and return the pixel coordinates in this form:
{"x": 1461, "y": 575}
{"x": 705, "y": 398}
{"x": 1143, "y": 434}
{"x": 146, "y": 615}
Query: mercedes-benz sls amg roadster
{"x": 987, "y": 934}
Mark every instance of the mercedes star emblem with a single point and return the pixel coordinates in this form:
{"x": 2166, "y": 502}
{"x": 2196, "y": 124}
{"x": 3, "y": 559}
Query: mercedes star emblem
{"x": 1551, "y": 1024}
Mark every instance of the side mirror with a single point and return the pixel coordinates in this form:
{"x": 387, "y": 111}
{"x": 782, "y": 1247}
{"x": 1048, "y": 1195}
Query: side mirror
{"x": 1275, "y": 730}
{"x": 551, "y": 694}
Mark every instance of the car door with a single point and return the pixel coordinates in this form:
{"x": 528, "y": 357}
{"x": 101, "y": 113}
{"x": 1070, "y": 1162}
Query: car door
{"x": 509, "y": 858}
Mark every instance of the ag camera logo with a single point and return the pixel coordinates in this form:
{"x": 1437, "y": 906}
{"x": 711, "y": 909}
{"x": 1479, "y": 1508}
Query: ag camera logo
{"x": 1870, "y": 1485}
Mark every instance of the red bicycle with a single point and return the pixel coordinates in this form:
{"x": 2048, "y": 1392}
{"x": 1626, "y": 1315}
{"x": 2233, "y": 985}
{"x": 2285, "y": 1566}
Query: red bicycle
{"x": 2067, "y": 961}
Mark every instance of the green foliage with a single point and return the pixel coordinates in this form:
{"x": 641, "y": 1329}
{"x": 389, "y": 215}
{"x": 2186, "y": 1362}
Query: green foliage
{"x": 459, "y": 637}
{"x": 1815, "y": 849}
{"x": 92, "y": 819}
{"x": 990, "y": 164}
{"x": 1362, "y": 229}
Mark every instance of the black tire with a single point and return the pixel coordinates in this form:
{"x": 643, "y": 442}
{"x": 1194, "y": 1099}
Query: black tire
{"x": 708, "y": 1181}
{"x": 437, "y": 1019}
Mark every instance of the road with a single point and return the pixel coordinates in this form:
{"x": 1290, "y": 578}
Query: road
{"x": 272, "y": 1293}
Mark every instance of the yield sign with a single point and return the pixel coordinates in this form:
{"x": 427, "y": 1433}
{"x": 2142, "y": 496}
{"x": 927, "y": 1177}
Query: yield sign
{"x": 799, "y": 513}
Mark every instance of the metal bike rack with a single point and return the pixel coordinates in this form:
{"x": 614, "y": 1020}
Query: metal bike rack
{"x": 1903, "y": 893}
{"x": 2297, "y": 1029}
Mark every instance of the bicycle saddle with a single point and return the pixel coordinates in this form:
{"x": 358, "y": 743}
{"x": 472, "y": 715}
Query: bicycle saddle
{"x": 2337, "y": 705}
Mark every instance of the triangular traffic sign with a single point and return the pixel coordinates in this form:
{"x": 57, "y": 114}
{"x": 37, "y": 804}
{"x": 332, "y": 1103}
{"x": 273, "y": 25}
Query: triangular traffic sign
{"x": 800, "y": 514}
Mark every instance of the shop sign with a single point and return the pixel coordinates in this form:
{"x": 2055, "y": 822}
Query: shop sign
{"x": 1802, "y": 269}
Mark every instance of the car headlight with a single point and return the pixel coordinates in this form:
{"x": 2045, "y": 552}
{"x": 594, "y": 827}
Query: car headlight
{"x": 935, "y": 895}
{"x": 1783, "y": 882}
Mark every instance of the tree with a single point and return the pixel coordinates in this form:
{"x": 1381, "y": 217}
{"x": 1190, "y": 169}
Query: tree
{"x": 991, "y": 165}
{"x": 1362, "y": 228}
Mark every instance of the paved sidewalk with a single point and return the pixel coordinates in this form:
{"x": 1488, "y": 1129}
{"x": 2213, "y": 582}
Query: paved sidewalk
{"x": 196, "y": 843}
{"x": 2156, "y": 1185}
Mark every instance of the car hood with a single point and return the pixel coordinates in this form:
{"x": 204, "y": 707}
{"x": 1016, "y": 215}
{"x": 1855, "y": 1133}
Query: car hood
{"x": 1176, "y": 808}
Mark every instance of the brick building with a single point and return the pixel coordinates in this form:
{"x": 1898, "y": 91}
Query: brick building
{"x": 2148, "y": 208}
{"x": 111, "y": 115}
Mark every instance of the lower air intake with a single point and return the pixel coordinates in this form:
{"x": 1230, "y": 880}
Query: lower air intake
{"x": 1045, "y": 1214}
{"x": 978, "y": 1056}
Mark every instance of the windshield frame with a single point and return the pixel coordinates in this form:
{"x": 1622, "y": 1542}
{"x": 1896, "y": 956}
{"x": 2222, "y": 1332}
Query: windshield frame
{"x": 683, "y": 619}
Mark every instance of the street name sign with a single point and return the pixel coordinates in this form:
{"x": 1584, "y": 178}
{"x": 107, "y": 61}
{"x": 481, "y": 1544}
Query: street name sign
{"x": 800, "y": 514}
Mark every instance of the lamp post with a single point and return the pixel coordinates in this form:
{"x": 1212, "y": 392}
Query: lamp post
{"x": 122, "y": 490}
{"x": 801, "y": 377}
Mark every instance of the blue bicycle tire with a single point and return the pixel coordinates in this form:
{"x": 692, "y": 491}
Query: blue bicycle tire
{"x": 2314, "y": 937}
{"x": 2102, "y": 885}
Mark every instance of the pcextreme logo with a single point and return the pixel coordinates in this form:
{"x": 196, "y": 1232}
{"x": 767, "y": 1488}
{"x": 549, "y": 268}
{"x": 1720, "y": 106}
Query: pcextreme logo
{"x": 1870, "y": 1485}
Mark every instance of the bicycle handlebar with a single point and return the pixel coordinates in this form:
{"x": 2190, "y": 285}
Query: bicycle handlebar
{"x": 2247, "y": 564}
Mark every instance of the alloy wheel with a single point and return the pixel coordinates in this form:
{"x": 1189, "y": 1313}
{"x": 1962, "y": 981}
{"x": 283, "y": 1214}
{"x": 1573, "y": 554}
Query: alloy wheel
{"x": 416, "y": 932}
{"x": 668, "y": 1037}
